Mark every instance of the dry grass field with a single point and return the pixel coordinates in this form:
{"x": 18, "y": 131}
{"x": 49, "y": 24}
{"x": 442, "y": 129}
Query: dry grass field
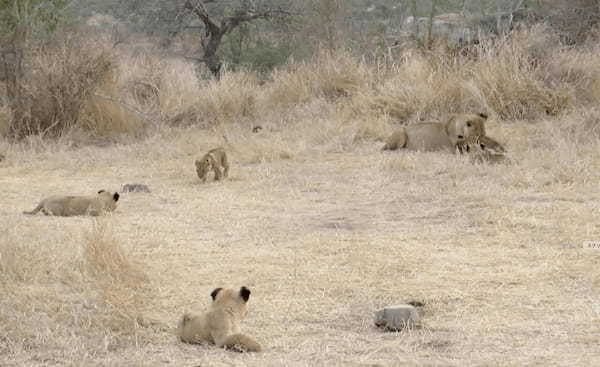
{"x": 322, "y": 226}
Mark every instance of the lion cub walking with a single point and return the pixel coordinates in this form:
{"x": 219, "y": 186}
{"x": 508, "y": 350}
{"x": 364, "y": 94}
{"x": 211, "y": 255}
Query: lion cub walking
{"x": 220, "y": 325}
{"x": 432, "y": 136}
{"x": 215, "y": 160}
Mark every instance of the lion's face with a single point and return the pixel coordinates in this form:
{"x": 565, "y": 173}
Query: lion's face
{"x": 204, "y": 165}
{"x": 231, "y": 300}
{"x": 461, "y": 127}
{"x": 108, "y": 199}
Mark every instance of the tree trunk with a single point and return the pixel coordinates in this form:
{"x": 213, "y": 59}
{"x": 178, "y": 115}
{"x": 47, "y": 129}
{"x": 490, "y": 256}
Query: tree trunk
{"x": 215, "y": 33}
{"x": 430, "y": 24}
{"x": 413, "y": 10}
{"x": 211, "y": 58}
{"x": 12, "y": 59}
{"x": 499, "y": 29}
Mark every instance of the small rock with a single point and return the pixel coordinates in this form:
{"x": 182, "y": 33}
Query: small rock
{"x": 395, "y": 318}
{"x": 135, "y": 188}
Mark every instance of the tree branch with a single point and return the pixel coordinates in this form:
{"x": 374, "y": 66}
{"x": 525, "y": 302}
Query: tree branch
{"x": 243, "y": 16}
{"x": 198, "y": 7}
{"x": 214, "y": 33}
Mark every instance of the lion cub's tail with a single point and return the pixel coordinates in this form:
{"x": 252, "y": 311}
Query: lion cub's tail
{"x": 34, "y": 211}
{"x": 241, "y": 343}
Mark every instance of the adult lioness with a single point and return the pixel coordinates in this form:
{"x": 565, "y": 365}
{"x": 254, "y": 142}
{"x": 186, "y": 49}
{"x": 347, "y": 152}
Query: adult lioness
{"x": 67, "y": 206}
{"x": 221, "y": 323}
{"x": 432, "y": 136}
{"x": 215, "y": 160}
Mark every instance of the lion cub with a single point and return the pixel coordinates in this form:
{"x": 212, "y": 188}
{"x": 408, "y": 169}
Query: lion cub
{"x": 432, "y": 136}
{"x": 220, "y": 325}
{"x": 215, "y": 160}
{"x": 482, "y": 149}
{"x": 67, "y": 206}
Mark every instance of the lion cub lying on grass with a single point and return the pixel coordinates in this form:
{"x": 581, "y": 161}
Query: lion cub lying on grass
{"x": 432, "y": 136}
{"x": 67, "y": 206}
{"x": 215, "y": 160}
{"x": 221, "y": 323}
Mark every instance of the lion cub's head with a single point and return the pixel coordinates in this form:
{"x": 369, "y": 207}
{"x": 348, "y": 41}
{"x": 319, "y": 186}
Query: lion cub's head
{"x": 108, "y": 200}
{"x": 461, "y": 127}
{"x": 231, "y": 300}
{"x": 204, "y": 165}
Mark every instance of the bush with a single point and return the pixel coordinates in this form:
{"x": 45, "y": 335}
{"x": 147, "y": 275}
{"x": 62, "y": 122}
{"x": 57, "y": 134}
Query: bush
{"x": 60, "y": 77}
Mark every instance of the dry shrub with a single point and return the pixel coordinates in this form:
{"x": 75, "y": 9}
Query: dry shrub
{"x": 576, "y": 69}
{"x": 121, "y": 283}
{"x": 337, "y": 75}
{"x": 230, "y": 99}
{"x": 79, "y": 83}
{"x": 104, "y": 114}
{"x": 128, "y": 101}
{"x": 62, "y": 77}
{"x": 288, "y": 87}
{"x": 143, "y": 76}
{"x": 527, "y": 75}
{"x": 178, "y": 87}
{"x": 511, "y": 76}
{"x": 328, "y": 75}
{"x": 418, "y": 86}
{"x": 32, "y": 304}
{"x": 54, "y": 293}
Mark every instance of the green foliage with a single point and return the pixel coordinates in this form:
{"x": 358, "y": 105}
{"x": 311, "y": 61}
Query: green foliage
{"x": 37, "y": 15}
{"x": 249, "y": 46}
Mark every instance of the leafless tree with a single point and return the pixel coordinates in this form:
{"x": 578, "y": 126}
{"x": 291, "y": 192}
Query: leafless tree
{"x": 215, "y": 30}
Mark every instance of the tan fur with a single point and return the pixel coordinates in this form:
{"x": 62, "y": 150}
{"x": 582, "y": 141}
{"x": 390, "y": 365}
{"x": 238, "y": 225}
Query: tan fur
{"x": 66, "y": 206}
{"x": 215, "y": 160}
{"x": 483, "y": 149}
{"x": 432, "y": 136}
{"x": 1, "y": 157}
{"x": 220, "y": 325}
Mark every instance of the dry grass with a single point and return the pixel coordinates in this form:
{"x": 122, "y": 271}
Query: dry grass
{"x": 317, "y": 221}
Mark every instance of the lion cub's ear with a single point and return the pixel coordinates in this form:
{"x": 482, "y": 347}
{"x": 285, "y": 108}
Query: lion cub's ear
{"x": 215, "y": 292}
{"x": 483, "y": 115}
{"x": 245, "y": 293}
{"x": 116, "y": 196}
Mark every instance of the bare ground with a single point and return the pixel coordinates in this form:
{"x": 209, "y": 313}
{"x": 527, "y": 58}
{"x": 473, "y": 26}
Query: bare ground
{"x": 324, "y": 237}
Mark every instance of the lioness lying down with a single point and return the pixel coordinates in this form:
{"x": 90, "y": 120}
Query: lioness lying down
{"x": 67, "y": 206}
{"x": 432, "y": 136}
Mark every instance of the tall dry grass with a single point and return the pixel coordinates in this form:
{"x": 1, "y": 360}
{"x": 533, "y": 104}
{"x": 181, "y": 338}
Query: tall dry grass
{"x": 78, "y": 290}
{"x": 110, "y": 92}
